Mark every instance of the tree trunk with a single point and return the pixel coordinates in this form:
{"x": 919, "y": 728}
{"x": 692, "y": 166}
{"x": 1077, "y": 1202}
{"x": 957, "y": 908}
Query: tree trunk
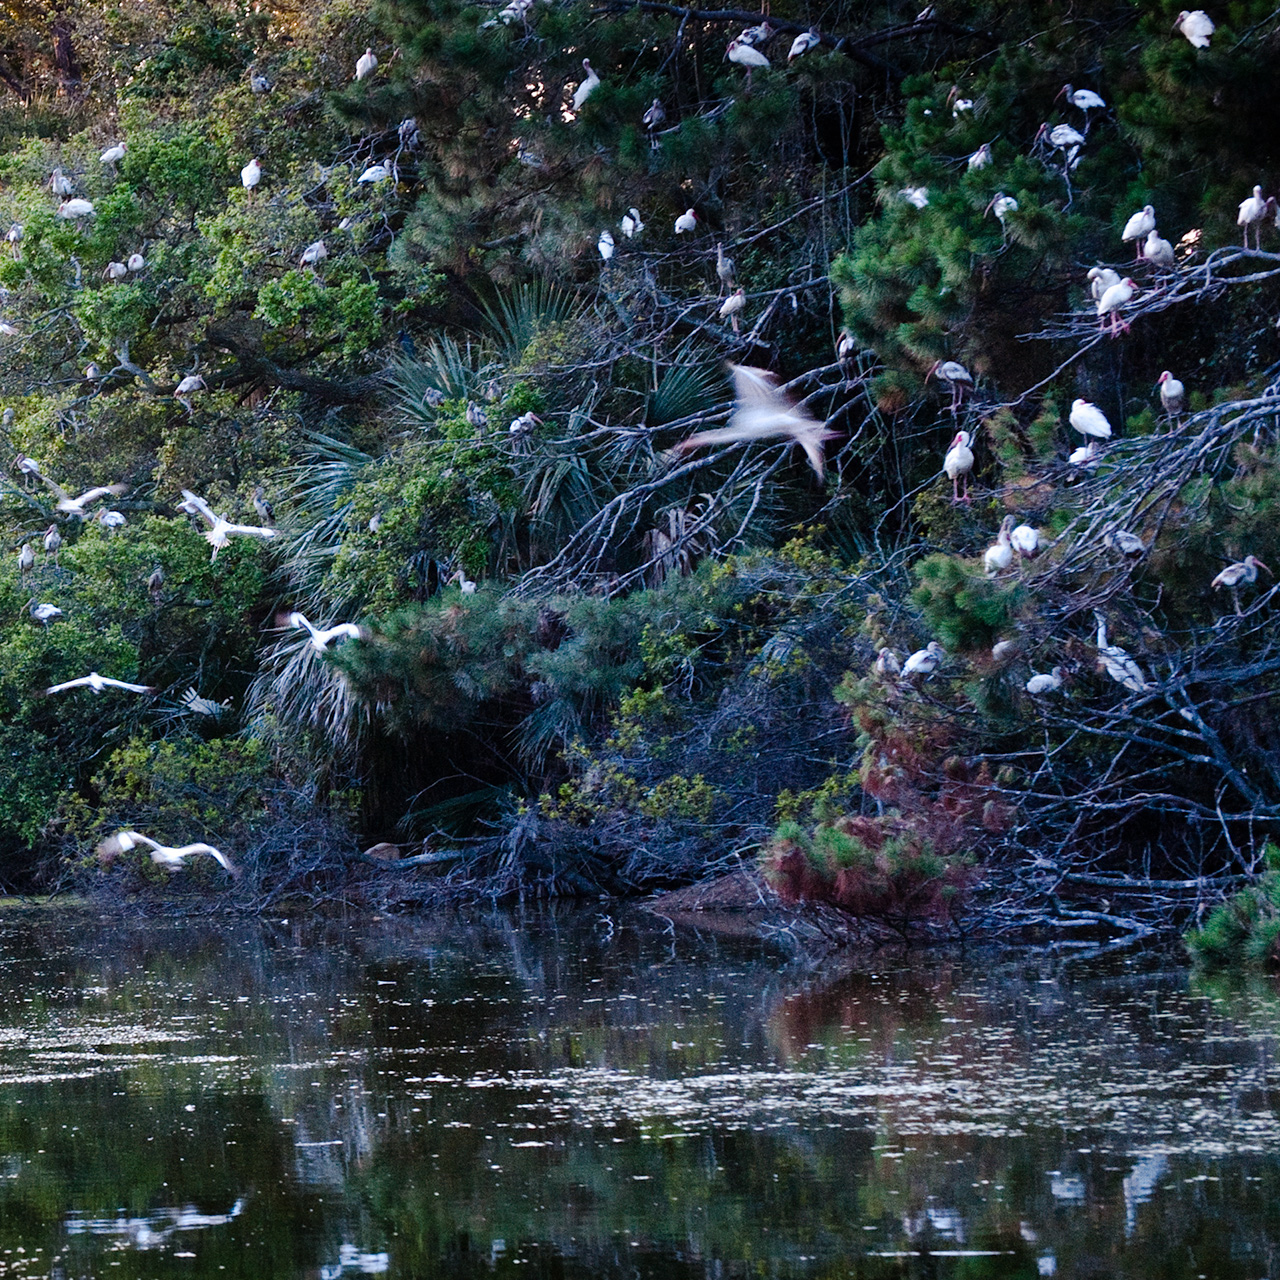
{"x": 64, "y": 55}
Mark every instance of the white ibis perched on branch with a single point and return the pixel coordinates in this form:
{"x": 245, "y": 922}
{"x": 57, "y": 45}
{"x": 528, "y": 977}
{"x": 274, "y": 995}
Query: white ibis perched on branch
{"x": 43, "y": 613}
{"x": 366, "y": 64}
{"x": 755, "y": 36}
{"x": 999, "y": 555}
{"x": 1089, "y": 420}
{"x": 924, "y": 662}
{"x": 1026, "y": 541}
{"x": 13, "y": 237}
{"x": 1172, "y": 393}
{"x": 747, "y": 56}
{"x": 724, "y": 267}
{"x": 524, "y": 424}
{"x": 687, "y": 221}
{"x": 958, "y": 463}
{"x": 60, "y": 184}
{"x": 375, "y": 173}
{"x": 315, "y": 252}
{"x": 98, "y": 683}
{"x": 476, "y": 415}
{"x": 465, "y": 584}
{"x": 1100, "y": 280}
{"x": 732, "y": 305}
{"x": 323, "y": 637}
{"x": 251, "y": 175}
{"x": 1111, "y": 302}
{"x": 1002, "y": 206}
{"x": 135, "y": 262}
{"x": 1051, "y": 683}
{"x": 1085, "y": 456}
{"x": 1157, "y": 250}
{"x": 1233, "y": 575}
{"x": 1065, "y": 138}
{"x": 981, "y": 158}
{"x": 805, "y": 41}
{"x": 918, "y": 197}
{"x": 76, "y": 209}
{"x": 631, "y": 223}
{"x": 1197, "y": 26}
{"x": 762, "y": 412}
{"x": 604, "y": 246}
{"x": 1083, "y": 99}
{"x": 1139, "y": 226}
{"x": 888, "y": 665}
{"x": 958, "y": 379}
{"x": 220, "y": 531}
{"x": 113, "y": 155}
{"x": 1253, "y": 210}
{"x": 52, "y": 542}
{"x": 26, "y": 559}
{"x": 185, "y": 389}
{"x": 846, "y": 347}
{"x": 589, "y": 84}
{"x": 115, "y": 271}
{"x": 1128, "y": 544}
{"x": 1117, "y": 663}
{"x": 653, "y": 119}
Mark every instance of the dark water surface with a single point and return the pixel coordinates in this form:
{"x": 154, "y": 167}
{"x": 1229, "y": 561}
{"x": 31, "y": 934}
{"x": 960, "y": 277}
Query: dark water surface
{"x": 586, "y": 1093}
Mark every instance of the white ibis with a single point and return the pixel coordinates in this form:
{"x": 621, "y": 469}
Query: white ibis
{"x": 162, "y": 854}
{"x": 980, "y": 158}
{"x": 605, "y": 244}
{"x": 1100, "y": 280}
{"x": 888, "y": 665}
{"x": 76, "y": 506}
{"x": 1111, "y": 302}
{"x": 524, "y": 424}
{"x": 687, "y": 221}
{"x": 155, "y": 581}
{"x": 1233, "y": 575}
{"x": 92, "y": 372}
{"x": 185, "y": 389}
{"x": 476, "y": 415}
{"x": 26, "y": 559}
{"x": 959, "y": 462}
{"x": 316, "y": 251}
{"x": 1157, "y": 250}
{"x": 755, "y": 36}
{"x": 588, "y": 86}
{"x": 1083, "y": 99}
{"x": 323, "y": 637}
{"x": 653, "y": 119}
{"x": 959, "y": 105}
{"x": 366, "y": 64}
{"x": 266, "y": 512}
{"x": 199, "y": 706}
{"x": 1089, "y": 420}
{"x": 1003, "y": 650}
{"x": 999, "y": 556}
{"x": 258, "y": 83}
{"x": 1002, "y": 206}
{"x": 220, "y": 531}
{"x": 846, "y": 347}
{"x": 1139, "y": 226}
{"x": 135, "y": 262}
{"x": 13, "y": 237}
{"x": 731, "y": 306}
{"x": 958, "y": 379}
{"x": 1128, "y": 544}
{"x": 724, "y": 267}
{"x": 375, "y": 173}
{"x": 111, "y": 519}
{"x": 43, "y": 613}
{"x": 1253, "y": 209}
{"x": 1026, "y": 541}
{"x": 805, "y": 41}
{"x": 1197, "y": 26}
{"x": 1172, "y": 393}
{"x": 1117, "y": 663}
{"x": 98, "y": 683}
{"x": 762, "y": 412}
{"x": 1050, "y": 683}
{"x": 251, "y": 175}
{"x": 52, "y": 542}
{"x": 76, "y": 208}
{"x": 407, "y": 132}
{"x": 60, "y": 184}
{"x": 924, "y": 662}
{"x": 115, "y": 271}
{"x": 1085, "y": 456}
{"x": 744, "y": 55}
{"x": 9, "y": 330}
{"x": 631, "y": 223}
{"x": 918, "y": 197}
{"x": 113, "y": 155}
{"x": 465, "y": 584}
{"x": 1065, "y": 138}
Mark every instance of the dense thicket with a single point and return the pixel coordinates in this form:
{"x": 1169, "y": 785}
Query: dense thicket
{"x": 666, "y": 665}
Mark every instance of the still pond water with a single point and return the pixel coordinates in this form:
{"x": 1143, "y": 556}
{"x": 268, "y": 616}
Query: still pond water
{"x": 587, "y": 1093}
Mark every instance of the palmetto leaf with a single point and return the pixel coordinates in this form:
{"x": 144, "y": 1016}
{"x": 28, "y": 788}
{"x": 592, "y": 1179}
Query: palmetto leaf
{"x": 518, "y": 316}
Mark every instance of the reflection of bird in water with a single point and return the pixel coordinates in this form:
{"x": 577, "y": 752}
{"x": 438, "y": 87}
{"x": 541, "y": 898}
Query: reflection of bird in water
{"x": 352, "y": 1259}
{"x": 1139, "y": 1184}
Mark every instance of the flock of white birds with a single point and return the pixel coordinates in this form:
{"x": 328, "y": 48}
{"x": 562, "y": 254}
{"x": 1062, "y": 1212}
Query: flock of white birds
{"x": 761, "y": 411}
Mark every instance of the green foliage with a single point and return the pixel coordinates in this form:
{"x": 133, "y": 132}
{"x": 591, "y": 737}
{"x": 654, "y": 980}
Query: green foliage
{"x": 963, "y": 607}
{"x": 1244, "y": 931}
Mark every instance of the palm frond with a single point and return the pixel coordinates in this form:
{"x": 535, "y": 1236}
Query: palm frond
{"x": 518, "y": 316}
{"x": 690, "y": 385}
{"x": 445, "y": 368}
